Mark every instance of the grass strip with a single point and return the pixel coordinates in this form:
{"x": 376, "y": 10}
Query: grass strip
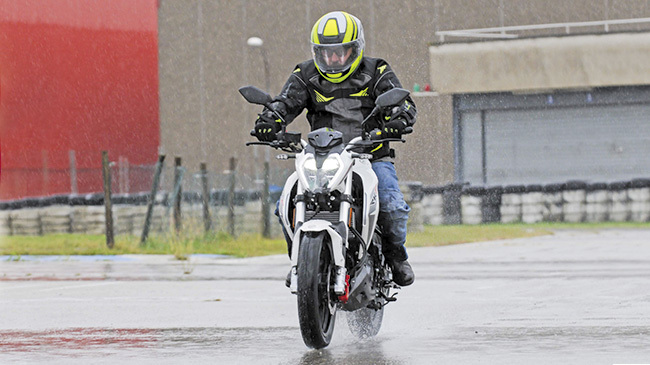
{"x": 254, "y": 245}
{"x": 179, "y": 246}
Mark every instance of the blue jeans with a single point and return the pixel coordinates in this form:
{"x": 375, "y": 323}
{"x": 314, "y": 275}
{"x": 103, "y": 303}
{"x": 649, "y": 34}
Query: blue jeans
{"x": 393, "y": 212}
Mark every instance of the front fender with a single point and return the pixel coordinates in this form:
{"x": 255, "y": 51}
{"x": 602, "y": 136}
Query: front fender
{"x": 336, "y": 242}
{"x": 318, "y": 225}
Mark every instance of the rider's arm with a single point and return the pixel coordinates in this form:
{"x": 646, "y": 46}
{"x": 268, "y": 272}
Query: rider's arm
{"x": 386, "y": 80}
{"x": 293, "y": 97}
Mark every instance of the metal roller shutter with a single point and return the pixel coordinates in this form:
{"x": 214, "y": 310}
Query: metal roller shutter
{"x": 543, "y": 145}
{"x": 471, "y": 149}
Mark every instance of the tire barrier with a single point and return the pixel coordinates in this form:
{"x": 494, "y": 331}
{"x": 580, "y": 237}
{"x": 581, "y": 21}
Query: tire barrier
{"x": 432, "y": 205}
{"x": 619, "y": 209}
{"x": 86, "y": 214}
{"x": 511, "y": 203}
{"x": 573, "y": 201}
{"x": 451, "y": 204}
{"x": 413, "y": 194}
{"x": 471, "y": 204}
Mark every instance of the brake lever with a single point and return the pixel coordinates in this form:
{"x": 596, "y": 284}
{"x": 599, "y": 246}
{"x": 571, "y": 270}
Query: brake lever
{"x": 390, "y": 140}
{"x": 258, "y": 143}
{"x": 277, "y": 144}
{"x": 273, "y": 144}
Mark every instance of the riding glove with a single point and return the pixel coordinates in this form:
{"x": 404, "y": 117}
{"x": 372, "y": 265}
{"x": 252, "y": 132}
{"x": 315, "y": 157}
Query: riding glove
{"x": 268, "y": 124}
{"x": 265, "y": 131}
{"x": 394, "y": 128}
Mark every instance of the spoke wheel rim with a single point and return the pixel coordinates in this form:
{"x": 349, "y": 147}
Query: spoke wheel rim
{"x": 327, "y": 306}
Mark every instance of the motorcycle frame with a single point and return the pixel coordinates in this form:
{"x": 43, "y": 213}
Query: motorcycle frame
{"x": 338, "y": 235}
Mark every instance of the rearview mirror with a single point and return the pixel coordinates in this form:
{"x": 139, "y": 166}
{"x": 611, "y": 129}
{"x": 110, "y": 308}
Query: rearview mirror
{"x": 392, "y": 97}
{"x": 254, "y": 95}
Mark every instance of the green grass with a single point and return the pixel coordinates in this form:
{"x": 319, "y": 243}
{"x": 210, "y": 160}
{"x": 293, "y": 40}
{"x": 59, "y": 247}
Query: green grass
{"x": 181, "y": 246}
{"x": 454, "y": 234}
{"x": 254, "y": 245}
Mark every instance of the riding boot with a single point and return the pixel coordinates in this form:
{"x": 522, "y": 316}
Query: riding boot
{"x": 397, "y": 259}
{"x": 402, "y": 272}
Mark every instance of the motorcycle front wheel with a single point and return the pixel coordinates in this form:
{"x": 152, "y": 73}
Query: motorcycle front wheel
{"x": 316, "y": 298}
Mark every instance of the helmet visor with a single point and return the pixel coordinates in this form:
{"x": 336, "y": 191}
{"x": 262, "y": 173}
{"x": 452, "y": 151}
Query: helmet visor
{"x": 335, "y": 58}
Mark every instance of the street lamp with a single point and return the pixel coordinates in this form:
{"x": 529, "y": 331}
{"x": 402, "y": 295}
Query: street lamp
{"x": 258, "y": 42}
{"x": 266, "y": 217}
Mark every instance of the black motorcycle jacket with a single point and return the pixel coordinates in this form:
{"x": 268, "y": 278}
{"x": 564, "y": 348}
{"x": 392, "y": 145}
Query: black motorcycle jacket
{"x": 342, "y": 106}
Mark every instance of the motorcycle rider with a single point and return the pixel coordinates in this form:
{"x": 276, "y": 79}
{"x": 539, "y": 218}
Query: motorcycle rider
{"x": 338, "y": 87}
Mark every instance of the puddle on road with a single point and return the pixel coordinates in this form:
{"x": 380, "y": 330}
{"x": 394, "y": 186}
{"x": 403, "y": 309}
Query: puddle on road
{"x": 75, "y": 339}
{"x": 283, "y": 345}
{"x": 224, "y": 345}
{"x": 81, "y": 339}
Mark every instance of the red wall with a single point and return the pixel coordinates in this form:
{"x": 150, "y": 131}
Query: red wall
{"x": 75, "y": 75}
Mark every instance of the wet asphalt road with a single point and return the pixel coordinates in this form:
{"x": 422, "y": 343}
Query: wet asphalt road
{"x": 574, "y": 297}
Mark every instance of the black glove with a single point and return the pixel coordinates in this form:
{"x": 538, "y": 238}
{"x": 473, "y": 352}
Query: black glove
{"x": 266, "y": 132}
{"x": 268, "y": 124}
{"x": 394, "y": 128}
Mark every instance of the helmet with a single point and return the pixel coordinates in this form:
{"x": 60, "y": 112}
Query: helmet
{"x": 337, "y": 45}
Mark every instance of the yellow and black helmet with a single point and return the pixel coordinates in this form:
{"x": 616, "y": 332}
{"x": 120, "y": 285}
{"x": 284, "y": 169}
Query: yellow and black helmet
{"x": 337, "y": 45}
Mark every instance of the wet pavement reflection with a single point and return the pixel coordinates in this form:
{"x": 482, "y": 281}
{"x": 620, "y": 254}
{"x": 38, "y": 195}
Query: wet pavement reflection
{"x": 575, "y": 297}
{"x": 282, "y": 345}
{"x": 229, "y": 345}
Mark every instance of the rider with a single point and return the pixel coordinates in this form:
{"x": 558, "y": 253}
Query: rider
{"x": 338, "y": 87}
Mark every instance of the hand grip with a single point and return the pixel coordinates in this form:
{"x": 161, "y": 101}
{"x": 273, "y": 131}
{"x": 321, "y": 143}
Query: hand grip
{"x": 252, "y": 132}
{"x": 408, "y": 130}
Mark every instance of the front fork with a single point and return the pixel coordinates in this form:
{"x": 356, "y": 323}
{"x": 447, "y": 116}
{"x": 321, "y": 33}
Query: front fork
{"x": 338, "y": 234}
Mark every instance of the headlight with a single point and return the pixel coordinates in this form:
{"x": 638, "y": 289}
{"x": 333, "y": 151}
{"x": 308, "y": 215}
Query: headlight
{"x": 320, "y": 178}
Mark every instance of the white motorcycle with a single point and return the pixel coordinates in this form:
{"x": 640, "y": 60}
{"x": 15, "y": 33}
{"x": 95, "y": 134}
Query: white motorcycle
{"x": 329, "y": 207}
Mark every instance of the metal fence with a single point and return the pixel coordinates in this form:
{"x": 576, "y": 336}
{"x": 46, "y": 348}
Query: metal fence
{"x": 68, "y": 173}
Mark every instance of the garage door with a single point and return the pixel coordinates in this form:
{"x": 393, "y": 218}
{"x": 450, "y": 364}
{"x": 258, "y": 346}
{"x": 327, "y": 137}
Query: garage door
{"x": 554, "y": 144}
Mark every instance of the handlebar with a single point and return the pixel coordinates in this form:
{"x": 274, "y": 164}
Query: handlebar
{"x": 366, "y": 143}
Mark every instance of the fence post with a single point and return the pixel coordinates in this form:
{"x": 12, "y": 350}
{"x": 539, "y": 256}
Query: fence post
{"x": 231, "y": 198}
{"x": 207, "y": 221}
{"x": 178, "y": 176}
{"x": 106, "y": 169}
{"x": 123, "y": 181}
{"x": 127, "y": 186}
{"x": 266, "y": 218}
{"x": 152, "y": 199}
{"x": 39, "y": 221}
{"x": 120, "y": 175}
{"x": 73, "y": 172}
{"x": 10, "y": 224}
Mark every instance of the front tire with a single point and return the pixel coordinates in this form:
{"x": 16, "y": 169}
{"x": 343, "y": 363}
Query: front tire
{"x": 316, "y": 298}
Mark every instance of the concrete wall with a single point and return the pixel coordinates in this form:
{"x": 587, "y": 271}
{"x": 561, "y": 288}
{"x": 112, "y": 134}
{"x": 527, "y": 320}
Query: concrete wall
{"x": 204, "y": 59}
{"x": 548, "y": 63}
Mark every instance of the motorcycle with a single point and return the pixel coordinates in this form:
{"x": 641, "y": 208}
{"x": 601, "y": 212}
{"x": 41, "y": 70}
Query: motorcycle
{"x": 329, "y": 208}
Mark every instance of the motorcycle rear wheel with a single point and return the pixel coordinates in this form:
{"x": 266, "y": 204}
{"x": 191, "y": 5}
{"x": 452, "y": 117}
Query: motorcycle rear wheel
{"x": 365, "y": 322}
{"x": 316, "y": 298}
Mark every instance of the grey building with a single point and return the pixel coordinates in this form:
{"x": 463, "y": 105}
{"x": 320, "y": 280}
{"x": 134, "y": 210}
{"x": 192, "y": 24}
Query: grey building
{"x": 523, "y": 91}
